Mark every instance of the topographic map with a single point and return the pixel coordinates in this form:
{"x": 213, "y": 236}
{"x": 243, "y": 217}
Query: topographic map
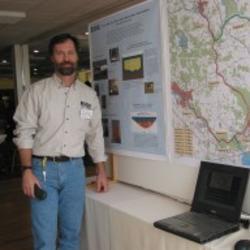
{"x": 210, "y": 79}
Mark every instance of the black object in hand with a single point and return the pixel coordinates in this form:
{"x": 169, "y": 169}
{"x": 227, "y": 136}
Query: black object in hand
{"x": 40, "y": 194}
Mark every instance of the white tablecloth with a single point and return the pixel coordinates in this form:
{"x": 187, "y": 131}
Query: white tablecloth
{"x": 122, "y": 219}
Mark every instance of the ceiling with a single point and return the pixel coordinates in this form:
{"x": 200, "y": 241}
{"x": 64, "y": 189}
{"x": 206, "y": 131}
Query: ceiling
{"x": 45, "y": 18}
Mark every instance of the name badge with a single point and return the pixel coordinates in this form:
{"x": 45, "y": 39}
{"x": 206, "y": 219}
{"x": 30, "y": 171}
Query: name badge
{"x": 86, "y": 113}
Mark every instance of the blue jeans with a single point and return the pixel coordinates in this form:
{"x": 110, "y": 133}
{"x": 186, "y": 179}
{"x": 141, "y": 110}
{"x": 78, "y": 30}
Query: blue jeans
{"x": 63, "y": 207}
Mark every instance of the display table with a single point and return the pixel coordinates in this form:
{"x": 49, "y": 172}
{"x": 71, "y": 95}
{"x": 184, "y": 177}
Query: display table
{"x": 122, "y": 219}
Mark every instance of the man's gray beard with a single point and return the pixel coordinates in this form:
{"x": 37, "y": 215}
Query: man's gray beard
{"x": 66, "y": 71}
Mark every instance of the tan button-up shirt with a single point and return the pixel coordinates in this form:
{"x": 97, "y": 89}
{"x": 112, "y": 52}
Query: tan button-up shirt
{"x": 54, "y": 120}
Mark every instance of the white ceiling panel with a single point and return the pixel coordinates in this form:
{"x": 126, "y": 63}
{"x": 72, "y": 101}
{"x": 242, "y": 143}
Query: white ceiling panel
{"x": 46, "y": 17}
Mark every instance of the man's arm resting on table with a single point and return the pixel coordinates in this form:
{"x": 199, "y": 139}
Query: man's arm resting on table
{"x": 28, "y": 179}
{"x": 101, "y": 178}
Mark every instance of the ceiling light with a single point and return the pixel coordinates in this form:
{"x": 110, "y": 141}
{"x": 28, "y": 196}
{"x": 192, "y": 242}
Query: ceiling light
{"x": 36, "y": 51}
{"x": 11, "y": 17}
{"x": 86, "y": 33}
{"x": 4, "y": 61}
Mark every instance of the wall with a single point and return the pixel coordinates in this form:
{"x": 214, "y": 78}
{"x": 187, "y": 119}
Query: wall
{"x": 175, "y": 180}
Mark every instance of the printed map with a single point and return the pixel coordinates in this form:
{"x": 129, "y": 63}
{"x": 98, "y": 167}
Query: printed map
{"x": 210, "y": 79}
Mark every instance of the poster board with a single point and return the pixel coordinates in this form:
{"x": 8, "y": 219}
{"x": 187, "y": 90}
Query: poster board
{"x": 126, "y": 65}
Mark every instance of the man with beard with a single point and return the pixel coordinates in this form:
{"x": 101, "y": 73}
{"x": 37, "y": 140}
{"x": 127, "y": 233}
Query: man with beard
{"x": 54, "y": 118}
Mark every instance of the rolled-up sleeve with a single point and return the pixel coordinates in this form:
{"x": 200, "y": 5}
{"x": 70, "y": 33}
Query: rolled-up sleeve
{"x": 26, "y": 117}
{"x": 94, "y": 137}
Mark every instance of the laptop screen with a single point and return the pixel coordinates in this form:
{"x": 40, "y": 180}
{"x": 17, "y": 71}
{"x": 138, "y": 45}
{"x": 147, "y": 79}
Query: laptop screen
{"x": 220, "y": 190}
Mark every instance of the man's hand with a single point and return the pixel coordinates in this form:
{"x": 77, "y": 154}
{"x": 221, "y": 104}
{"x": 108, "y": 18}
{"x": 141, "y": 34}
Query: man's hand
{"x": 101, "y": 178}
{"x": 28, "y": 182}
{"x": 29, "y": 179}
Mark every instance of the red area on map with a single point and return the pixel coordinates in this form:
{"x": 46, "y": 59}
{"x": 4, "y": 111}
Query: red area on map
{"x": 185, "y": 96}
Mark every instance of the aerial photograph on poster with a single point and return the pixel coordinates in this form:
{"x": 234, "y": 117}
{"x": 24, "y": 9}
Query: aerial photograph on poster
{"x": 114, "y": 55}
{"x": 100, "y": 69}
{"x": 132, "y": 67}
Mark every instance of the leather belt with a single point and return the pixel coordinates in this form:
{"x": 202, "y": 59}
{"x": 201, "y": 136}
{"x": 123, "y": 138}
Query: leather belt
{"x": 61, "y": 158}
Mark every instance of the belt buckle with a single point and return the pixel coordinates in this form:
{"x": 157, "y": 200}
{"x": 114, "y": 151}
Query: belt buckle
{"x": 61, "y": 158}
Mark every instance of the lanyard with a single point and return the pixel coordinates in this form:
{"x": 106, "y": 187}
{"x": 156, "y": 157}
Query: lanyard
{"x": 44, "y": 166}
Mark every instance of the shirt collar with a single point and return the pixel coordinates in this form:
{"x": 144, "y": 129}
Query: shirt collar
{"x": 59, "y": 82}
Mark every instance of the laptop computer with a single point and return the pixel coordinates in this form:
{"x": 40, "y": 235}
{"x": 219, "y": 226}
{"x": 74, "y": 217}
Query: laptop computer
{"x": 216, "y": 205}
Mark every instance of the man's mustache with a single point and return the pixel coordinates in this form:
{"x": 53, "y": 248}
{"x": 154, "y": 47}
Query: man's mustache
{"x": 66, "y": 64}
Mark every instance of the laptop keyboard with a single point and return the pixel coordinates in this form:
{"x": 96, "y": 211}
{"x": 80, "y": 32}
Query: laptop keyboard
{"x": 199, "y": 222}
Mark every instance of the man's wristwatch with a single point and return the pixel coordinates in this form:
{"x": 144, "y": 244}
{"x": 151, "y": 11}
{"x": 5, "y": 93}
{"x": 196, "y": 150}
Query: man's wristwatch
{"x": 24, "y": 168}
